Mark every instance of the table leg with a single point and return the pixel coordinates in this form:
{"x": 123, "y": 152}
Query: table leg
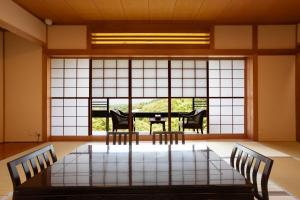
{"x": 150, "y": 128}
{"x": 164, "y": 126}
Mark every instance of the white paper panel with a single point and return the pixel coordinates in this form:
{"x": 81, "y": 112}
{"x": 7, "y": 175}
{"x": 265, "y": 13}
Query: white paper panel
{"x": 56, "y": 131}
{"x": 83, "y": 73}
{"x": 214, "y": 92}
{"x": 109, "y": 92}
{"x": 82, "y": 121}
{"x": 226, "y": 64}
{"x": 214, "y": 73}
{"x": 97, "y": 92}
{"x": 214, "y": 110}
{"x": 70, "y": 63}
{"x": 214, "y": 64}
{"x": 214, "y": 102}
{"x": 162, "y": 64}
{"x": 70, "y": 82}
{"x": 226, "y": 129}
{"x": 97, "y": 63}
{"x": 201, "y": 83}
{"x": 226, "y": 73}
{"x": 188, "y": 73}
{"x": 238, "y": 102}
{"x": 110, "y": 73}
{"x": 82, "y": 131}
{"x": 201, "y": 64}
{"x": 97, "y": 73}
{"x": 57, "y": 92}
{"x": 226, "y": 82}
{"x": 176, "y": 82}
{"x": 70, "y": 73}
{"x": 137, "y": 92}
{"x": 214, "y": 119}
{"x": 57, "y": 121}
{"x": 57, "y": 63}
{"x": 82, "y": 92}
{"x": 238, "y": 83}
{"x": 150, "y": 92}
{"x": 150, "y": 73}
{"x": 57, "y": 73}
{"x": 214, "y": 128}
{"x": 69, "y": 111}
{"x": 137, "y": 73}
{"x": 176, "y": 73}
{"x": 238, "y": 73}
{"x": 97, "y": 83}
{"x": 162, "y": 82}
{"x": 110, "y": 82}
{"x": 162, "y": 73}
{"x": 238, "y": 129}
{"x": 188, "y": 64}
{"x": 226, "y": 92}
{"x": 83, "y": 63}
{"x": 82, "y": 82}
{"x": 238, "y": 92}
{"x": 149, "y": 83}
{"x": 137, "y": 82}
{"x": 226, "y": 119}
{"x": 137, "y": 63}
{"x": 201, "y": 73}
{"x": 238, "y": 64}
{"x": 70, "y": 131}
{"x": 176, "y": 64}
{"x": 238, "y": 119}
{"x": 238, "y": 110}
{"x": 226, "y": 102}
{"x": 176, "y": 92}
{"x": 57, "y": 102}
{"x": 82, "y": 102}
{"x": 57, "y": 111}
{"x": 122, "y": 73}
{"x": 57, "y": 83}
{"x": 122, "y": 82}
{"x": 110, "y": 63}
{"x": 162, "y": 92}
{"x": 70, "y": 92}
{"x": 69, "y": 102}
{"x": 122, "y": 63}
{"x": 149, "y": 64}
{"x": 188, "y": 92}
{"x": 122, "y": 92}
{"x": 201, "y": 92}
{"x": 226, "y": 110}
{"x": 69, "y": 121}
{"x": 214, "y": 82}
{"x": 188, "y": 83}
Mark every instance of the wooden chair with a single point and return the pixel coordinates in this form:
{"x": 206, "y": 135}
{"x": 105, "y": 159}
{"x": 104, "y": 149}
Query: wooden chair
{"x": 168, "y": 137}
{"x": 120, "y": 120}
{"x": 192, "y": 120}
{"x": 122, "y": 136}
{"x": 35, "y": 162}
{"x": 247, "y": 162}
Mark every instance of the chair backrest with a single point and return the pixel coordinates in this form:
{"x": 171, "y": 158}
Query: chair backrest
{"x": 122, "y": 137}
{"x": 168, "y": 137}
{"x": 198, "y": 116}
{"x": 35, "y": 162}
{"x": 247, "y": 162}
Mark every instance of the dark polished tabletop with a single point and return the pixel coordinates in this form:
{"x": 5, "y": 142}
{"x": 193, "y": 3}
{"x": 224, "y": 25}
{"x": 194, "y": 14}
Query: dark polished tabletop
{"x": 102, "y": 168}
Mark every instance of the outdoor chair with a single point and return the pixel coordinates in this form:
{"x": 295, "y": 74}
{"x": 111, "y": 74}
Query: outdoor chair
{"x": 192, "y": 120}
{"x": 120, "y": 120}
{"x": 247, "y": 162}
{"x": 36, "y": 161}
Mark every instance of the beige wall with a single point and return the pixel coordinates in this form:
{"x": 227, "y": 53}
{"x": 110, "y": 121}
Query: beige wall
{"x": 23, "y": 89}
{"x": 1, "y": 86}
{"x": 67, "y": 37}
{"x": 19, "y": 21}
{"x": 276, "y": 98}
{"x": 233, "y": 37}
{"x": 276, "y": 36}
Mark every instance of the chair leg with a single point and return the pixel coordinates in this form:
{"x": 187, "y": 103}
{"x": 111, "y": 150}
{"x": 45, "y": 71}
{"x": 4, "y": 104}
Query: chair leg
{"x": 201, "y": 131}
{"x": 197, "y": 130}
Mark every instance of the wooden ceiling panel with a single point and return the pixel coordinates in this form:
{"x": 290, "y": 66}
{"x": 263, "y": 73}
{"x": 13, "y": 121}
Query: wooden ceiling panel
{"x": 159, "y": 9}
{"x": 110, "y": 10}
{"x": 210, "y": 11}
{"x": 186, "y": 9}
{"x": 87, "y": 10}
{"x": 136, "y": 10}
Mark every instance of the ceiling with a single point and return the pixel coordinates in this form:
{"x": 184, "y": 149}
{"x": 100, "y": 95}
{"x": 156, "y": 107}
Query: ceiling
{"x": 208, "y": 11}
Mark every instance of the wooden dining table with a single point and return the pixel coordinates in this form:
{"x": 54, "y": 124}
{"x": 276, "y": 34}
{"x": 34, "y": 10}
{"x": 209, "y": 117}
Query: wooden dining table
{"x": 135, "y": 172}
